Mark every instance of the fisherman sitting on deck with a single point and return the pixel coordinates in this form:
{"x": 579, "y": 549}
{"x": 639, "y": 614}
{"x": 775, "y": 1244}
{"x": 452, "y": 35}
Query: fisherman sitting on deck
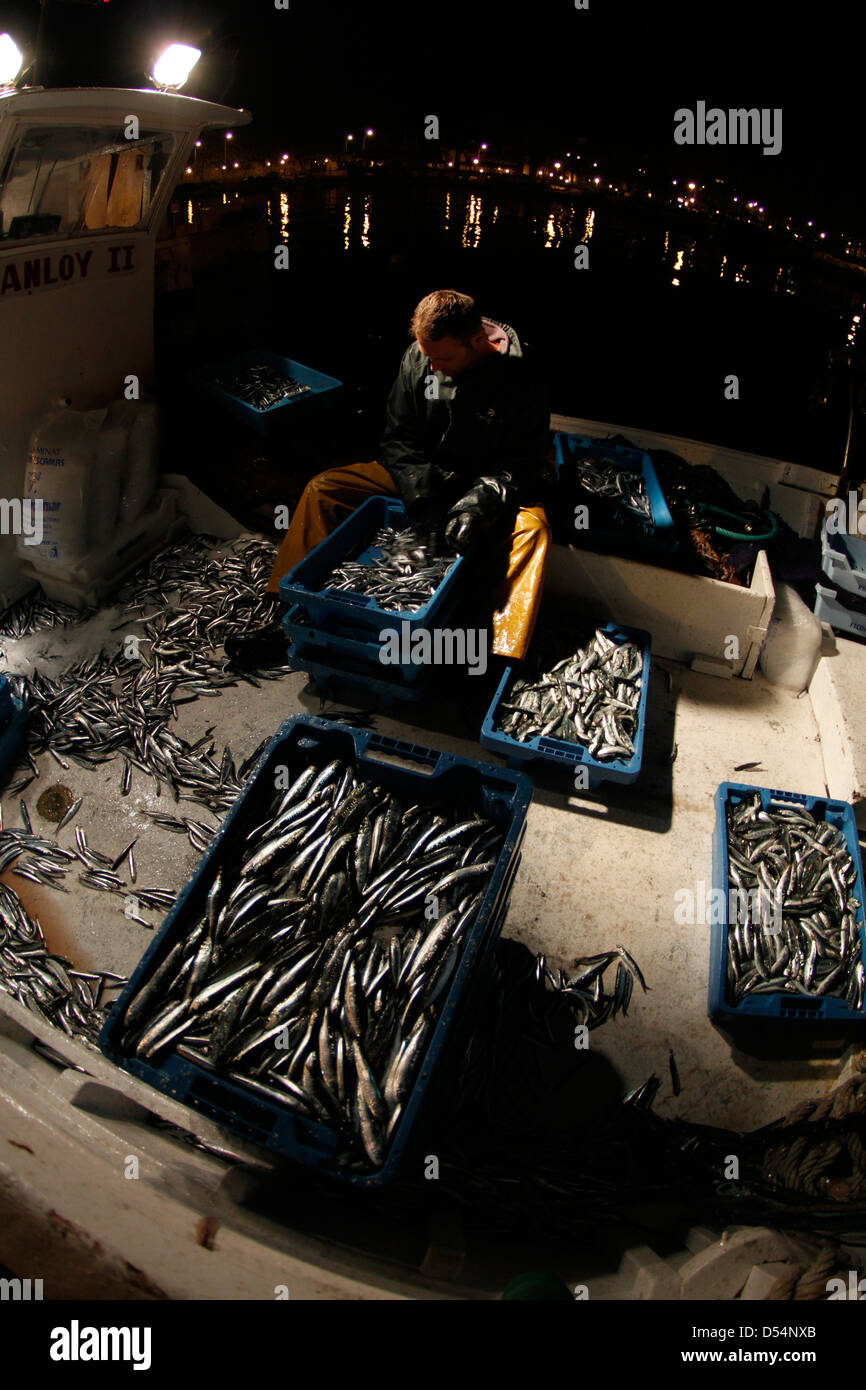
{"x": 464, "y": 448}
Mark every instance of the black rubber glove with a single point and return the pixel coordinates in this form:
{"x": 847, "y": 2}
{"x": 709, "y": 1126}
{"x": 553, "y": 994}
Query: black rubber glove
{"x": 463, "y": 532}
{"x": 476, "y": 514}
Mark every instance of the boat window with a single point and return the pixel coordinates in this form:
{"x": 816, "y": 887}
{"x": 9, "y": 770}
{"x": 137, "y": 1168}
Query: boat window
{"x": 70, "y": 181}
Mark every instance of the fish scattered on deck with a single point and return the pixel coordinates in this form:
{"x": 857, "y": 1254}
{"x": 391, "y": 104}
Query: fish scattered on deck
{"x": 675, "y": 1075}
{"x": 584, "y": 990}
{"x": 45, "y": 982}
{"x": 184, "y": 603}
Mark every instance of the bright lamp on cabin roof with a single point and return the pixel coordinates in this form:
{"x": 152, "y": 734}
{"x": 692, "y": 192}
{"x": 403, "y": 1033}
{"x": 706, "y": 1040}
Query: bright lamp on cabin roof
{"x": 10, "y": 60}
{"x": 174, "y": 65}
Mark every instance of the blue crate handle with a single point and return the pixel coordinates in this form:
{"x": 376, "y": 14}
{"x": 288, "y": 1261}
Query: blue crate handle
{"x": 367, "y": 740}
{"x": 364, "y": 739}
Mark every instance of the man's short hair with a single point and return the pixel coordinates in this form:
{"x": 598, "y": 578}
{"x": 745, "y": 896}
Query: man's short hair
{"x": 446, "y": 314}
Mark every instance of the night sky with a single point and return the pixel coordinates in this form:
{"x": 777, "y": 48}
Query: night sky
{"x": 539, "y": 77}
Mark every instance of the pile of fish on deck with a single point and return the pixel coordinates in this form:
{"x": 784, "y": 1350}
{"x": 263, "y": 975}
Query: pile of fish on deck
{"x": 44, "y": 982}
{"x": 591, "y": 698}
{"x": 800, "y": 870}
{"x": 401, "y": 579}
{"x": 311, "y": 974}
{"x": 186, "y": 602}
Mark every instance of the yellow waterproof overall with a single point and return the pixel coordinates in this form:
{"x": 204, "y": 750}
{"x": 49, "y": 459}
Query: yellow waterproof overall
{"x": 332, "y": 496}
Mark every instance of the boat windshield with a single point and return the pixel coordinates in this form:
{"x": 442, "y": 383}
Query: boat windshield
{"x": 68, "y": 181}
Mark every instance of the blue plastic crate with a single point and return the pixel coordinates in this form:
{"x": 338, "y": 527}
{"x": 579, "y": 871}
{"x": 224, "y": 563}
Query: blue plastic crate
{"x": 303, "y": 584}
{"x": 844, "y": 614}
{"x": 322, "y": 391}
{"x": 652, "y": 538}
{"x": 843, "y": 560}
{"x": 352, "y": 644}
{"x": 792, "y": 1007}
{"x": 331, "y": 672}
{"x": 561, "y": 751}
{"x": 501, "y": 796}
{"x": 12, "y": 718}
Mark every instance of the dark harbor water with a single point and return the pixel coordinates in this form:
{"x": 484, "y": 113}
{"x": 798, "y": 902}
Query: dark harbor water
{"x": 671, "y": 303}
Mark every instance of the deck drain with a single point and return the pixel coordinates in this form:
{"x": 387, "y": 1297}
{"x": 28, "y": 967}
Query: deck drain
{"x": 54, "y": 803}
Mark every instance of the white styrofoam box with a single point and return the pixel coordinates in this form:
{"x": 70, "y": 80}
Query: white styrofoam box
{"x": 691, "y": 618}
{"x": 844, "y": 572}
{"x": 85, "y": 582}
{"x": 797, "y": 494}
{"x": 836, "y": 696}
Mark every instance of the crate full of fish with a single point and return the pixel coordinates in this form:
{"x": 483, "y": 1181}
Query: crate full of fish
{"x": 578, "y": 701}
{"x": 332, "y": 673}
{"x": 264, "y": 390}
{"x": 370, "y": 572}
{"x": 310, "y": 986}
{"x": 786, "y": 914}
{"x": 12, "y": 717}
{"x": 625, "y": 508}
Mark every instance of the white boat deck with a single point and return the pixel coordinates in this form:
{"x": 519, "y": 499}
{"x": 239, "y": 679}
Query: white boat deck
{"x": 598, "y": 870}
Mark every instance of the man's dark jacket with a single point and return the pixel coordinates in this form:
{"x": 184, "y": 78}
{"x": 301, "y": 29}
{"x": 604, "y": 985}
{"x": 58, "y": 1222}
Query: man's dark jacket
{"x": 448, "y": 436}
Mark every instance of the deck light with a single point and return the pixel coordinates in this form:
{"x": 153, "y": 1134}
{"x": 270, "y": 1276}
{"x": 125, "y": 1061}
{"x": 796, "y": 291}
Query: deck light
{"x": 10, "y": 60}
{"x": 174, "y": 65}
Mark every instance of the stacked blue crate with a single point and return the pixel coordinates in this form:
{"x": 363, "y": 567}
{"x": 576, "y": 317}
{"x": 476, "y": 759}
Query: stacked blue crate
{"x": 841, "y": 599}
{"x": 335, "y": 636}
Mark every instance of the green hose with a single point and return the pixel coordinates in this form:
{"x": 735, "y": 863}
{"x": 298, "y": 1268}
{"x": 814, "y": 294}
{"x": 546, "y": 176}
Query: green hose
{"x": 770, "y": 518}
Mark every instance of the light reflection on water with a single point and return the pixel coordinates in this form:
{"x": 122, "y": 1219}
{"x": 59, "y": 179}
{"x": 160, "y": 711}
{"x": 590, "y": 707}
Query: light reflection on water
{"x": 351, "y": 220}
{"x": 679, "y": 276}
{"x": 472, "y": 222}
{"x": 558, "y": 228}
{"x": 470, "y": 216}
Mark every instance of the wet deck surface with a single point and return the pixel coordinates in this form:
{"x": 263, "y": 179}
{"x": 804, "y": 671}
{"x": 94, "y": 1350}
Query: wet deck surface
{"x": 598, "y": 869}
